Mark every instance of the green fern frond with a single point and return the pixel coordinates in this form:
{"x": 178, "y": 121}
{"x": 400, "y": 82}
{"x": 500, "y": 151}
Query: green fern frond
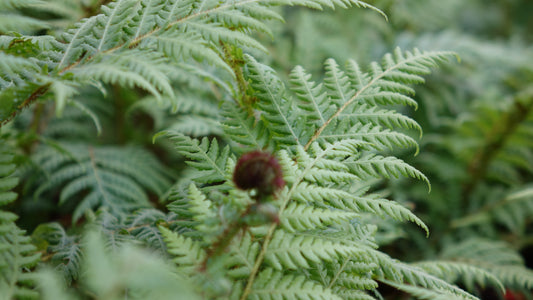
{"x": 424, "y": 293}
{"x": 371, "y": 165}
{"x": 111, "y": 178}
{"x": 290, "y": 251}
{"x": 279, "y": 112}
{"x": 382, "y": 85}
{"x": 136, "y": 68}
{"x": 17, "y": 253}
{"x": 415, "y": 276}
{"x": 298, "y": 217}
{"x": 202, "y": 210}
{"x": 242, "y": 257}
{"x": 65, "y": 250}
{"x": 188, "y": 254}
{"x": 496, "y": 257}
{"x": 250, "y": 133}
{"x": 471, "y": 276}
{"x": 380, "y": 138}
{"x": 273, "y": 284}
{"x": 12, "y": 20}
{"x": 205, "y": 156}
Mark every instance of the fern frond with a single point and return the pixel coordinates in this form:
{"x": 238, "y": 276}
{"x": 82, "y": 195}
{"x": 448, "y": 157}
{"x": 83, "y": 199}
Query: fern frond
{"x": 344, "y": 200}
{"x": 380, "y": 138}
{"x": 202, "y": 210}
{"x": 111, "y": 178}
{"x": 17, "y": 253}
{"x": 242, "y": 257}
{"x": 205, "y": 156}
{"x": 371, "y": 165}
{"x": 147, "y": 71}
{"x": 290, "y": 251}
{"x": 279, "y": 111}
{"x": 402, "y": 273}
{"x": 188, "y": 254}
{"x": 273, "y": 284}
{"x": 351, "y": 88}
{"x": 505, "y": 263}
{"x": 64, "y": 249}
{"x": 471, "y": 276}
{"x": 250, "y": 133}
{"x": 299, "y": 217}
{"x": 424, "y": 293}
{"x": 116, "y": 15}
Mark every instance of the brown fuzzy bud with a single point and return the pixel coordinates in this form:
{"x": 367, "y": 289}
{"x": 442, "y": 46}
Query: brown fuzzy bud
{"x": 260, "y": 171}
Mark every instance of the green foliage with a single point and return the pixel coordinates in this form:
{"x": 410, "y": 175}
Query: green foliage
{"x": 17, "y": 254}
{"x": 125, "y": 119}
{"x": 115, "y": 178}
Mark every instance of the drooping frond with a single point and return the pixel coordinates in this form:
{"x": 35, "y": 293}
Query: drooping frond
{"x": 470, "y": 275}
{"x": 110, "y": 178}
{"x": 497, "y": 258}
{"x": 11, "y": 19}
{"x": 371, "y": 165}
{"x": 401, "y": 273}
{"x": 424, "y": 293}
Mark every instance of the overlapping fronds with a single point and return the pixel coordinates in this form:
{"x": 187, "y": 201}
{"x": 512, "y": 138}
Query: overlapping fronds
{"x": 136, "y": 43}
{"x": 17, "y": 253}
{"x": 109, "y": 178}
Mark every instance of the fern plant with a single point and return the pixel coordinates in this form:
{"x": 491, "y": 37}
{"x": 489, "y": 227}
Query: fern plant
{"x": 281, "y": 182}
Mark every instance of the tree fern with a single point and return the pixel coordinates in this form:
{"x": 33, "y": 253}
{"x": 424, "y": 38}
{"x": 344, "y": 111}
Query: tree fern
{"x": 316, "y": 210}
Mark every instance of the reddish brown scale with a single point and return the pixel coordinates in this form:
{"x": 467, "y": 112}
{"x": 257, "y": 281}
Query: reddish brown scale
{"x": 260, "y": 171}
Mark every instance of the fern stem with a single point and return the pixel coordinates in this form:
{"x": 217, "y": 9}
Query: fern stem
{"x": 270, "y": 233}
{"x": 258, "y": 261}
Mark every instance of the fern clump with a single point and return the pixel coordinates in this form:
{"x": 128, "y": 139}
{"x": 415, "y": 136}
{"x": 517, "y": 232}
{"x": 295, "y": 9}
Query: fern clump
{"x": 163, "y": 154}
